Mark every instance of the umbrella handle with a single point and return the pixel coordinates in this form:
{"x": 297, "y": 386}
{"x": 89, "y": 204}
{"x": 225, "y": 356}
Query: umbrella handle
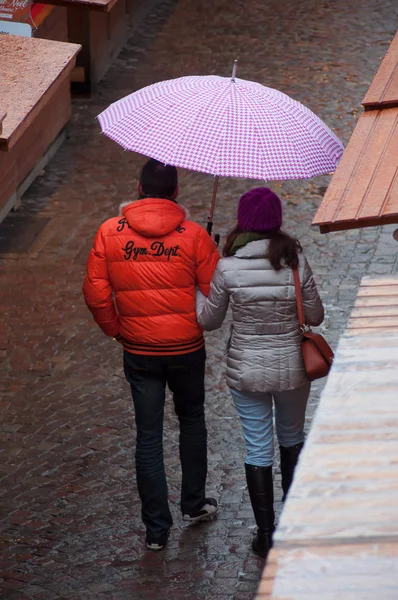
{"x": 212, "y": 207}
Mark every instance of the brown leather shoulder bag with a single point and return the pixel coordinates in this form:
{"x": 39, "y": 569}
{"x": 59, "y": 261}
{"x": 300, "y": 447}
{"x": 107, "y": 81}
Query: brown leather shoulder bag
{"x": 317, "y": 354}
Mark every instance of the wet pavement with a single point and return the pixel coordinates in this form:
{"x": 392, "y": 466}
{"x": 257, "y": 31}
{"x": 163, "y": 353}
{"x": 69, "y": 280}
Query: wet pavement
{"x": 71, "y": 527}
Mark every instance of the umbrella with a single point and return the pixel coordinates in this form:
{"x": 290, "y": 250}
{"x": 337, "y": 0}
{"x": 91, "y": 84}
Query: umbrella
{"x": 224, "y": 126}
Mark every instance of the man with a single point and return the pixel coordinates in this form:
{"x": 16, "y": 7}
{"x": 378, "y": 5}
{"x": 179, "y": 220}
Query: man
{"x": 140, "y": 286}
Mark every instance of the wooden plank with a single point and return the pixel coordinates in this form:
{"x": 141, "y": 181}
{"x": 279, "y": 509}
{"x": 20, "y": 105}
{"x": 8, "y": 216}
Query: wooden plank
{"x": 376, "y": 301}
{"x": 364, "y": 188}
{"x": 349, "y": 572}
{"x": 34, "y": 67}
{"x": 360, "y": 223}
{"x": 368, "y": 280}
{"x": 374, "y": 311}
{"x": 381, "y": 290}
{"x": 370, "y": 330}
{"x": 383, "y": 91}
{"x": 370, "y": 322}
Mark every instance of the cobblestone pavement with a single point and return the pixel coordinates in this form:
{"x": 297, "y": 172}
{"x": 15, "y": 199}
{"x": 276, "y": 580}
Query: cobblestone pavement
{"x": 71, "y": 526}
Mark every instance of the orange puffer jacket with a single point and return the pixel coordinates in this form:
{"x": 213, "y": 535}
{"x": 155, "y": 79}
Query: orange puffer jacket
{"x": 141, "y": 277}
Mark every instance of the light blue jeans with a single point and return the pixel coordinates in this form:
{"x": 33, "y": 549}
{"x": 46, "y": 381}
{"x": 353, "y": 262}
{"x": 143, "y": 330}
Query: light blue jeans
{"x": 255, "y": 412}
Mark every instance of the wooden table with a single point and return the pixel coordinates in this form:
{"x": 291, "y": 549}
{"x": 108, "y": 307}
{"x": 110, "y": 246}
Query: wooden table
{"x": 35, "y": 93}
{"x": 364, "y": 189}
{"x": 338, "y": 534}
{"x": 3, "y": 115}
{"x": 100, "y": 27}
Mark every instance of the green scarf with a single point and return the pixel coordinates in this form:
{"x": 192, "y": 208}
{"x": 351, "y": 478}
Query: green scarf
{"x": 245, "y": 238}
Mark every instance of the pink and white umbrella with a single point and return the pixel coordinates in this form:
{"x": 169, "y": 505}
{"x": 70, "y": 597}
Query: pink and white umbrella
{"x": 224, "y": 126}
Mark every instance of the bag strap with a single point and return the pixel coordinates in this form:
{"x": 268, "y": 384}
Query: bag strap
{"x": 299, "y": 297}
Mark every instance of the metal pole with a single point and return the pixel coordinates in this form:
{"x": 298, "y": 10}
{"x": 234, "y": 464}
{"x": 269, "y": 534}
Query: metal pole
{"x": 234, "y": 70}
{"x": 212, "y": 207}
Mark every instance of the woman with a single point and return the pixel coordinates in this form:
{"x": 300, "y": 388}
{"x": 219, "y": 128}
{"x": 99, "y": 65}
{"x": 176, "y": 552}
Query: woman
{"x": 264, "y": 361}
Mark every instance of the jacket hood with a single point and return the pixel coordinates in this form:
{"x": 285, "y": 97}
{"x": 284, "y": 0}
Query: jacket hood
{"x": 153, "y": 217}
{"x": 256, "y": 249}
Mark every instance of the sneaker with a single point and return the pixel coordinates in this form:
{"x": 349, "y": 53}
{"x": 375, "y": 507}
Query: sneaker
{"x": 157, "y": 544}
{"x": 209, "y": 509}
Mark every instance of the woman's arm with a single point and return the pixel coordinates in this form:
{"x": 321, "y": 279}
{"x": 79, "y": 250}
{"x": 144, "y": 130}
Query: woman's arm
{"x": 212, "y": 310}
{"x": 313, "y": 307}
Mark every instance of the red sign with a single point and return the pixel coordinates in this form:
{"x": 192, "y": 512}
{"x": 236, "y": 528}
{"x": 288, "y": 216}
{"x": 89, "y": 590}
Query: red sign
{"x": 16, "y": 10}
{"x": 20, "y": 11}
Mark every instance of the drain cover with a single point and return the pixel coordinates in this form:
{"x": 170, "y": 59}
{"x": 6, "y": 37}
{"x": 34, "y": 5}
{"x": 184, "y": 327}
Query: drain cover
{"x": 19, "y": 233}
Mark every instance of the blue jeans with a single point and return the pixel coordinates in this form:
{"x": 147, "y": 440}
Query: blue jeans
{"x": 255, "y": 412}
{"x": 148, "y": 377}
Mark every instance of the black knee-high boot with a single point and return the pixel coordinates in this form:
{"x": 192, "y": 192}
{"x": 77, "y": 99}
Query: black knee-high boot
{"x": 261, "y": 491}
{"x": 289, "y": 458}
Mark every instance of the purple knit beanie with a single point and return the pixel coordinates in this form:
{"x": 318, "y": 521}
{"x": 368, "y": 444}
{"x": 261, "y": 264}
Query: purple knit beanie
{"x": 259, "y": 210}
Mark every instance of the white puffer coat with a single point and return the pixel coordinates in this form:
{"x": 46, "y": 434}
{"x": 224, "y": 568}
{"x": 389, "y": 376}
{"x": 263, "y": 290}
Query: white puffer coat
{"x": 264, "y": 350}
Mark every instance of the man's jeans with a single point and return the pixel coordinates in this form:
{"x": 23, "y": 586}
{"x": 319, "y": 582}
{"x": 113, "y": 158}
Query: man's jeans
{"x": 148, "y": 376}
{"x": 255, "y": 411}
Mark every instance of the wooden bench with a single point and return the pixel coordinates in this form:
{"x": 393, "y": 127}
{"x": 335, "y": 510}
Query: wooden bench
{"x": 100, "y": 27}
{"x": 35, "y": 94}
{"x": 338, "y": 533}
{"x": 364, "y": 189}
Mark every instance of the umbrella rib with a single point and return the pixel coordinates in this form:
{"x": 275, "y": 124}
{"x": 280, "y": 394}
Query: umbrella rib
{"x": 254, "y": 121}
{"x": 151, "y": 127}
{"x": 302, "y": 124}
{"x": 191, "y": 123}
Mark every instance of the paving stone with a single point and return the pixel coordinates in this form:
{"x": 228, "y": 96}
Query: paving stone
{"x": 71, "y": 527}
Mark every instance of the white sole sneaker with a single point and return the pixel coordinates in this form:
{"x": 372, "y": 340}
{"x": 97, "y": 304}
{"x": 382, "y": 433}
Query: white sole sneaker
{"x": 154, "y": 546}
{"x": 209, "y": 509}
{"x": 159, "y": 544}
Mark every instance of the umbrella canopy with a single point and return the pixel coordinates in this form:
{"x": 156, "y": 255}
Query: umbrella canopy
{"x": 225, "y": 127}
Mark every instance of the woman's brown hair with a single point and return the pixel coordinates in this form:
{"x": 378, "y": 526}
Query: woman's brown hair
{"x": 283, "y": 250}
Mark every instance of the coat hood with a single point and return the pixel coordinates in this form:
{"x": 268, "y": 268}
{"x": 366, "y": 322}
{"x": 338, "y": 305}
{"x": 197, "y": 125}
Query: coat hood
{"x": 256, "y": 249}
{"x": 153, "y": 217}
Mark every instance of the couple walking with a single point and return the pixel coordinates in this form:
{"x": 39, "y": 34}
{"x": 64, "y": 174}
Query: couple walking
{"x": 154, "y": 282}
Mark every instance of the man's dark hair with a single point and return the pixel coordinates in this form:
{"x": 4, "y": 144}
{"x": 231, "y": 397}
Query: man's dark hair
{"x": 158, "y": 180}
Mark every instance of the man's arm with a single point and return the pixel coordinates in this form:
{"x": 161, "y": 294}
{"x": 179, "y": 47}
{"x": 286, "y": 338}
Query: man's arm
{"x": 206, "y": 261}
{"x": 97, "y": 289}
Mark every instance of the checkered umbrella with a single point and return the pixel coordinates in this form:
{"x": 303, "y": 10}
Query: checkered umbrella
{"x": 224, "y": 126}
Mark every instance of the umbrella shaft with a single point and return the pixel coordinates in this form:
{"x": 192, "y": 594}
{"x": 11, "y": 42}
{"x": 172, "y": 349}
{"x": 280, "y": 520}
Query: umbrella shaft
{"x": 213, "y": 200}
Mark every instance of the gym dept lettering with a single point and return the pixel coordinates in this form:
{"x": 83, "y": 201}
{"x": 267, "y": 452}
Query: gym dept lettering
{"x": 132, "y": 252}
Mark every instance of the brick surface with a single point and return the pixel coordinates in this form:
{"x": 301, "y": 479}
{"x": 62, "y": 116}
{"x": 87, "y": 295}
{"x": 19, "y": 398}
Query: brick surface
{"x": 71, "y": 526}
